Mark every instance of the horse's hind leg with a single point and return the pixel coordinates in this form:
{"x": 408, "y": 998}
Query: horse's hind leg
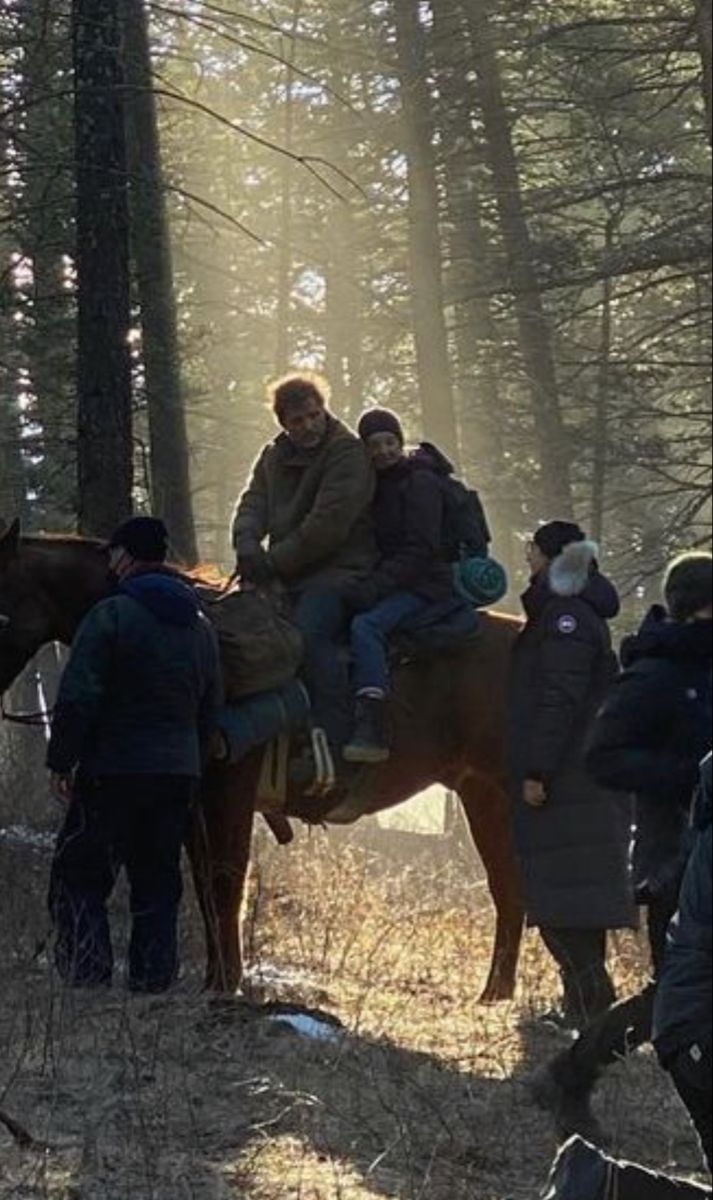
{"x": 219, "y": 848}
{"x": 488, "y": 811}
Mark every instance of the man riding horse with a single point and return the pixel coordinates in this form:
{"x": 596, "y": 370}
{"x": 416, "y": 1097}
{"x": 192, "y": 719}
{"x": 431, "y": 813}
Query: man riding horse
{"x": 305, "y": 522}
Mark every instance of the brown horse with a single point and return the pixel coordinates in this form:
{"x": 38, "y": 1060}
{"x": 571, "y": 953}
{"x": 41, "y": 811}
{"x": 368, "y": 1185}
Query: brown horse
{"x": 450, "y": 721}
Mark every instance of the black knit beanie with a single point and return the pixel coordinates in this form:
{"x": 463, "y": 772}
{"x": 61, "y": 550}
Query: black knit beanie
{"x": 689, "y": 585}
{"x": 556, "y": 536}
{"x": 380, "y": 420}
{"x": 144, "y": 538}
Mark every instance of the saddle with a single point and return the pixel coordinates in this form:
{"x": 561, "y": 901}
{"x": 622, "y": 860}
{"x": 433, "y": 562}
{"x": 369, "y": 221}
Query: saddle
{"x": 299, "y": 777}
{"x": 268, "y": 706}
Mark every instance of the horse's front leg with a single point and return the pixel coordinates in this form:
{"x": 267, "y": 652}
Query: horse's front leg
{"x": 487, "y": 808}
{"x": 219, "y": 847}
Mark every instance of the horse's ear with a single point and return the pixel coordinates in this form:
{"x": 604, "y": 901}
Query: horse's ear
{"x": 10, "y": 543}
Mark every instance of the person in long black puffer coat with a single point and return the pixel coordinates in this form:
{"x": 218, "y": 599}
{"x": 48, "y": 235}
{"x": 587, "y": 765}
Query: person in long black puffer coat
{"x": 573, "y": 836}
{"x": 684, "y": 1040}
{"x": 650, "y": 739}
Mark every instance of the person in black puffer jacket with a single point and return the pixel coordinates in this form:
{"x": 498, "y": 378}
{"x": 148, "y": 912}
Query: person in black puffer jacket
{"x": 573, "y": 836}
{"x": 413, "y": 584}
{"x": 137, "y": 709}
{"x": 650, "y": 738}
{"x": 683, "y": 1019}
{"x": 683, "y": 1038}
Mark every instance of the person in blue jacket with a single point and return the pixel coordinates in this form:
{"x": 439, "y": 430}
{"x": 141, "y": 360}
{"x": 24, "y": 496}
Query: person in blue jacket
{"x": 138, "y": 707}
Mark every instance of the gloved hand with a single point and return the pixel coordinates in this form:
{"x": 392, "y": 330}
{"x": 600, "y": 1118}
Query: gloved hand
{"x": 254, "y": 567}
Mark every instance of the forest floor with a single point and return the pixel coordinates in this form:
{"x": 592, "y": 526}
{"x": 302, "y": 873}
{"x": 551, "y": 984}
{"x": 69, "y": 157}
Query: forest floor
{"x": 419, "y": 1093}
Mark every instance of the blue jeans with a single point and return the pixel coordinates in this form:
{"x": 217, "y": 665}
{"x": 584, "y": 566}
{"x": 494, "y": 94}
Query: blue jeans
{"x": 138, "y": 822}
{"x": 321, "y": 615}
{"x": 370, "y": 638}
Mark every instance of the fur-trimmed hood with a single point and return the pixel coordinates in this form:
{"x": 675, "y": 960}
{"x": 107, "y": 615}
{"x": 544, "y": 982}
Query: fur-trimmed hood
{"x": 571, "y": 572}
{"x": 576, "y": 574}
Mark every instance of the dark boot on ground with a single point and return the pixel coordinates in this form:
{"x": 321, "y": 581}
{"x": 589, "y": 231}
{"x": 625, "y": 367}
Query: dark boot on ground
{"x": 370, "y": 741}
{"x": 584, "y": 1173}
{"x": 580, "y": 1173}
{"x": 567, "y": 1096}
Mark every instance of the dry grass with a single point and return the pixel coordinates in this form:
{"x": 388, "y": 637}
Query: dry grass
{"x": 421, "y": 1097}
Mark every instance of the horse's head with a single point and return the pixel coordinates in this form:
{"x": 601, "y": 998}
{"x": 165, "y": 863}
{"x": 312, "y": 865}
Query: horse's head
{"x": 46, "y": 587}
{"x": 24, "y": 620}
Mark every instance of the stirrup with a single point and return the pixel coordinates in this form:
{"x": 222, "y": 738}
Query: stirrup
{"x": 325, "y": 778}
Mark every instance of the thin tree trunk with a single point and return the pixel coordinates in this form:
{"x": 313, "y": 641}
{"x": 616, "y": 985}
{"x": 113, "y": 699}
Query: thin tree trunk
{"x": 431, "y": 333}
{"x": 604, "y": 397}
{"x": 535, "y": 333}
{"x": 105, "y": 450}
{"x": 343, "y": 325}
{"x": 283, "y": 347}
{"x": 704, "y": 17}
{"x": 151, "y": 245}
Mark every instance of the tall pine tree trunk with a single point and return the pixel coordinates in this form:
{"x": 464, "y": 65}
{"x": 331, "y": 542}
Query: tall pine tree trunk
{"x": 13, "y": 497}
{"x": 151, "y": 246}
{"x": 105, "y": 449}
{"x": 535, "y": 333}
{"x": 431, "y": 333}
{"x": 479, "y": 390}
{"x": 704, "y": 17}
{"x": 13, "y": 484}
{"x": 47, "y": 335}
{"x": 604, "y": 397}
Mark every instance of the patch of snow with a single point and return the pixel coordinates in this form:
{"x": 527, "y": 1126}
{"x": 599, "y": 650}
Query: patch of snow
{"x": 21, "y": 836}
{"x": 308, "y": 1027}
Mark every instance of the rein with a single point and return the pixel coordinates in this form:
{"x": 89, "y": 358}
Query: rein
{"x": 36, "y": 720}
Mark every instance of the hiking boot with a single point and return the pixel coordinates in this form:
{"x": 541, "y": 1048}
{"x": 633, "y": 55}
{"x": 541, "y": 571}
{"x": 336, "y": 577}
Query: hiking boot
{"x": 580, "y": 1173}
{"x": 571, "y": 1107}
{"x": 370, "y": 742}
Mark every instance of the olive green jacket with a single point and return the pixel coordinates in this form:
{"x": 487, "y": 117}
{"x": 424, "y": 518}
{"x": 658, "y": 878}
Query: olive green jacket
{"x": 314, "y": 508}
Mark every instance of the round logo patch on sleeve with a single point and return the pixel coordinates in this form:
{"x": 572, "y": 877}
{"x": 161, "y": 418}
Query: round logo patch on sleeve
{"x": 568, "y": 624}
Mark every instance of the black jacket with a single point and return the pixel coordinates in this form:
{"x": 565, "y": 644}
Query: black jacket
{"x": 651, "y": 736}
{"x": 684, "y": 1003}
{"x": 575, "y": 852}
{"x": 142, "y": 691}
{"x": 408, "y": 518}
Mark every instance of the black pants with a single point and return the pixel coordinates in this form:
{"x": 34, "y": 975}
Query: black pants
{"x": 135, "y": 822}
{"x": 581, "y": 955}
{"x": 692, "y": 1072}
{"x": 634, "y": 1183}
{"x": 625, "y": 1027}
